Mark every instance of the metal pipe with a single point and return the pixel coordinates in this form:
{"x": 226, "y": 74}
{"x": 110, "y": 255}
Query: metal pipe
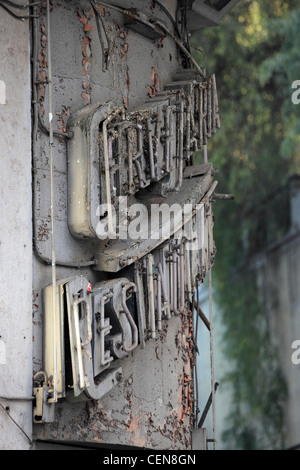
{"x": 167, "y": 139}
{"x": 163, "y": 284}
{"x": 134, "y": 344}
{"x": 205, "y": 158}
{"x": 205, "y": 116}
{"x": 200, "y": 116}
{"x": 214, "y": 107}
{"x": 180, "y": 145}
{"x": 150, "y": 146}
{"x": 159, "y": 298}
{"x": 202, "y": 315}
{"x": 209, "y": 108}
{"x": 159, "y": 155}
{"x": 164, "y": 269}
{"x": 181, "y": 285}
{"x": 130, "y": 166}
{"x": 78, "y": 342}
{"x": 52, "y": 202}
{"x": 207, "y": 406}
{"x": 175, "y": 263}
{"x": 188, "y": 129}
{"x": 212, "y": 353}
{"x": 151, "y": 297}
{"x": 141, "y": 147}
{"x": 140, "y": 174}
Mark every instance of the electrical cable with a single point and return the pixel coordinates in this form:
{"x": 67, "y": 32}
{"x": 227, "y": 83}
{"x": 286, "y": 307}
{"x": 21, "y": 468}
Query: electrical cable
{"x": 152, "y": 23}
{"x": 18, "y": 426}
{"x": 104, "y": 42}
{"x": 3, "y": 4}
{"x": 21, "y": 7}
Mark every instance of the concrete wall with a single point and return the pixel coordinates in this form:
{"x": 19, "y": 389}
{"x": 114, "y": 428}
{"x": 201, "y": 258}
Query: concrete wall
{"x": 15, "y": 235}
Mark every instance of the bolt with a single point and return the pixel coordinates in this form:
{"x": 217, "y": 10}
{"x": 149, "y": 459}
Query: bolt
{"x": 119, "y": 376}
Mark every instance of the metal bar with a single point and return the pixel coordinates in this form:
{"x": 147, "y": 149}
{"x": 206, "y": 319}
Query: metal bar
{"x": 197, "y": 309}
{"x": 212, "y": 354}
{"x": 170, "y": 272}
{"x": 205, "y": 158}
{"x": 205, "y": 116}
{"x": 202, "y": 315}
{"x": 167, "y": 141}
{"x": 188, "y": 129}
{"x": 214, "y": 107}
{"x": 207, "y": 406}
{"x": 158, "y": 154}
{"x": 223, "y": 196}
{"x": 163, "y": 284}
{"x": 181, "y": 128}
{"x": 130, "y": 166}
{"x": 89, "y": 333}
{"x": 111, "y": 165}
{"x": 151, "y": 298}
{"x": 200, "y": 117}
{"x": 159, "y": 299}
{"x": 217, "y": 117}
{"x": 209, "y": 108}
{"x": 175, "y": 262}
{"x": 150, "y": 146}
{"x": 182, "y": 297}
{"x": 163, "y": 268}
{"x": 78, "y": 343}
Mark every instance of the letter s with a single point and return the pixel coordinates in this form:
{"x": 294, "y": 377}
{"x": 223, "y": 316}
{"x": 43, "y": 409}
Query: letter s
{"x": 295, "y": 356}
{"x": 295, "y": 99}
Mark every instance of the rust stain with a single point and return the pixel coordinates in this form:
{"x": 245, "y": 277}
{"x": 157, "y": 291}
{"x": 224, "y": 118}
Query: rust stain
{"x": 62, "y": 117}
{"x": 43, "y": 64}
{"x": 152, "y": 89}
{"x": 43, "y": 232}
{"x": 134, "y": 428}
{"x": 87, "y": 55}
{"x": 125, "y": 101}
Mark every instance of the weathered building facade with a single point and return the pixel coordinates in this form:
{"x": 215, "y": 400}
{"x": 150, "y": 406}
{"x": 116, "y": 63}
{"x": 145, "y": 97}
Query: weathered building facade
{"x": 106, "y": 221}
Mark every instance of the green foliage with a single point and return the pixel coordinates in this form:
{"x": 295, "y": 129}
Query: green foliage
{"x": 255, "y": 55}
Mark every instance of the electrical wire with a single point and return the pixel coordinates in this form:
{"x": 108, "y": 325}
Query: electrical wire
{"x": 21, "y": 7}
{"x": 3, "y": 4}
{"x": 153, "y": 22}
{"x": 15, "y": 422}
{"x": 104, "y": 41}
